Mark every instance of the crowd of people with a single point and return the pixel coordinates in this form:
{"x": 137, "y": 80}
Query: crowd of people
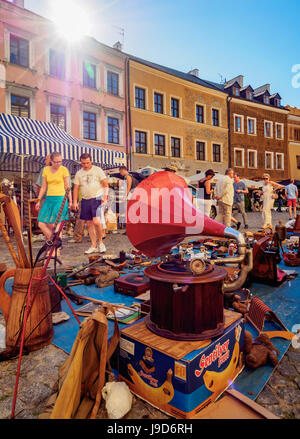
{"x": 230, "y": 191}
{"x": 89, "y": 198}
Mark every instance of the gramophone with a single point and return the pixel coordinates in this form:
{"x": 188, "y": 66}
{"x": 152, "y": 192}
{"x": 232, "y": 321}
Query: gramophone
{"x": 186, "y": 294}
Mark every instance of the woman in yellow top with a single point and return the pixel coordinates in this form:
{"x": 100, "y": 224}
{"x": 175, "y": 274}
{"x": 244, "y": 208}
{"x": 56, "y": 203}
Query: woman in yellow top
{"x": 56, "y": 179}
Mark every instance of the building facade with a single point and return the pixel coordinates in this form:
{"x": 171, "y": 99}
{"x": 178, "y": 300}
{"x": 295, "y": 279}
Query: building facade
{"x": 294, "y": 142}
{"x": 176, "y": 118}
{"x": 258, "y": 134}
{"x": 80, "y": 88}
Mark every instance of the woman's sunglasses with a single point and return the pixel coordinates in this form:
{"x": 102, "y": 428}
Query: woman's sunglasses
{"x": 265, "y": 178}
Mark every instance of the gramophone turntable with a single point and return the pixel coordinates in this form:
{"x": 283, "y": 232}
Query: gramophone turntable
{"x": 186, "y": 293}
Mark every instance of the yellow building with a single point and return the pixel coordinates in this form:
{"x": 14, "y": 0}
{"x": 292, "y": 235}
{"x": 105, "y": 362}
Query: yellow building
{"x": 176, "y": 117}
{"x": 294, "y": 142}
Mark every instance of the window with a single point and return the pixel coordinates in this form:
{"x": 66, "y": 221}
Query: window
{"x": 238, "y": 124}
{"x": 57, "y": 64}
{"x": 89, "y": 75}
{"x": 269, "y": 160}
{"x": 252, "y": 159}
{"x": 238, "y": 158}
{"x": 215, "y": 118}
{"x": 140, "y": 98}
{"x": 268, "y": 129}
{"x": 250, "y": 95}
{"x": 20, "y": 106}
{"x": 279, "y": 130}
{"x": 113, "y": 130}
{"x": 236, "y": 91}
{"x": 279, "y": 161}
{"x": 296, "y": 134}
{"x": 251, "y": 125}
{"x": 216, "y": 152}
{"x": 160, "y": 145}
{"x": 19, "y": 51}
{"x": 158, "y": 103}
{"x": 141, "y": 142}
{"x": 200, "y": 113}
{"x": 200, "y": 151}
{"x": 266, "y": 99}
{"x": 113, "y": 83}
{"x": 277, "y": 102}
{"x": 174, "y": 107}
{"x": 175, "y": 147}
{"x": 89, "y": 125}
{"x": 298, "y": 161}
{"x": 58, "y": 115}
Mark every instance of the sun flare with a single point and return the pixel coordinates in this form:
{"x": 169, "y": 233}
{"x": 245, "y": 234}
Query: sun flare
{"x": 71, "y": 19}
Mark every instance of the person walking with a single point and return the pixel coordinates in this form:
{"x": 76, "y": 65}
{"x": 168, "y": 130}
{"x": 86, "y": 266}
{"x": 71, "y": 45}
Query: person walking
{"x": 268, "y": 200}
{"x": 131, "y": 182}
{"x": 79, "y": 224}
{"x": 224, "y": 195}
{"x": 281, "y": 197}
{"x": 240, "y": 190}
{"x": 38, "y": 184}
{"x": 205, "y": 192}
{"x": 94, "y": 192}
{"x": 56, "y": 180}
{"x": 291, "y": 191}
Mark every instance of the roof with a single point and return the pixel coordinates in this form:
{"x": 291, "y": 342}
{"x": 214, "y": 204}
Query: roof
{"x": 233, "y": 84}
{"x": 246, "y": 88}
{"x": 275, "y": 95}
{"x": 35, "y": 140}
{"x": 261, "y": 92}
{"x": 182, "y": 75}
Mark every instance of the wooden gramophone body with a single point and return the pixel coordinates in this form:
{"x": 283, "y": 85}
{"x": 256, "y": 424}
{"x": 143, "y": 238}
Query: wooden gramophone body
{"x": 183, "y": 305}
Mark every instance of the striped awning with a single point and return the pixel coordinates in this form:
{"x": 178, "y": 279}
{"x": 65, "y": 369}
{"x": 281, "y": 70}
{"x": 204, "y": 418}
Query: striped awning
{"x": 34, "y": 140}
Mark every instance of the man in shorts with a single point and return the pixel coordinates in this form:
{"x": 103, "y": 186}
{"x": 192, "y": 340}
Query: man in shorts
{"x": 94, "y": 192}
{"x": 292, "y": 196}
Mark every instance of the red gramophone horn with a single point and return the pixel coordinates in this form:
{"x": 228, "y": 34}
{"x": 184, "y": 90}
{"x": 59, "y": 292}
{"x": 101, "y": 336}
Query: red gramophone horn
{"x": 160, "y": 214}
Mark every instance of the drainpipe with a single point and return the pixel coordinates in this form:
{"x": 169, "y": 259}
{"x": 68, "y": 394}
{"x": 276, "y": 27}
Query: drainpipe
{"x": 128, "y": 118}
{"x": 229, "y": 98}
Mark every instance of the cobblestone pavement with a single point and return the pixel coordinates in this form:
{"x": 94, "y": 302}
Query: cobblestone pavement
{"x": 40, "y": 369}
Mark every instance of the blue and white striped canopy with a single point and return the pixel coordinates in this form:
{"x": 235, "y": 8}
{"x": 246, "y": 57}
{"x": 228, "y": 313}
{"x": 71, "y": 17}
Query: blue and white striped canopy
{"x": 34, "y": 140}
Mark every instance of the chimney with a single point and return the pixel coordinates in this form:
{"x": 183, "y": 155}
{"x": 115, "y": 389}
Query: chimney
{"x": 262, "y": 89}
{"x": 118, "y": 46}
{"x": 19, "y": 3}
{"x": 239, "y": 79}
{"x": 194, "y": 72}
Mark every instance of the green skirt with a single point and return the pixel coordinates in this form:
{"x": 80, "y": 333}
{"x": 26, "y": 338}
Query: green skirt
{"x": 50, "y": 209}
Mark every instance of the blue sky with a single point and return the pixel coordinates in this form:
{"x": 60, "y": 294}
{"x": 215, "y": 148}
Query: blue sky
{"x": 259, "y": 39}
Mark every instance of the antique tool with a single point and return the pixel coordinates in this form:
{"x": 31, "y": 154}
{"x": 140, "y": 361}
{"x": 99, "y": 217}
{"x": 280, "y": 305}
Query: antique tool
{"x": 74, "y": 283}
{"x": 9, "y": 245}
{"x": 76, "y": 271}
{"x": 266, "y": 257}
{"x": 102, "y": 302}
{"x": 187, "y": 293}
{"x": 73, "y": 296}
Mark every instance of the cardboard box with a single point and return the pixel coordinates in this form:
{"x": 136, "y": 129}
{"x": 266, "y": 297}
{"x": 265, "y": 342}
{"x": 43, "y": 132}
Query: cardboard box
{"x": 181, "y": 377}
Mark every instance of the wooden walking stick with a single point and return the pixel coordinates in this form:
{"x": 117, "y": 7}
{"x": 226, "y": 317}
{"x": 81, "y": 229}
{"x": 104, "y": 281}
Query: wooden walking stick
{"x": 26, "y": 206}
{"x": 9, "y": 245}
{"x": 12, "y": 214}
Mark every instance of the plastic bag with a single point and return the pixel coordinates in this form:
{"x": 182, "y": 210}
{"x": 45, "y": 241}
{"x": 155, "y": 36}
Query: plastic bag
{"x": 118, "y": 399}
